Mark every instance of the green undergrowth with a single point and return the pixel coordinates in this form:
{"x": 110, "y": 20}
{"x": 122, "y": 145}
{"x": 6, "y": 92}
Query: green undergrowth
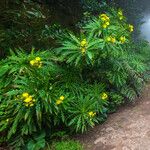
{"x": 66, "y": 145}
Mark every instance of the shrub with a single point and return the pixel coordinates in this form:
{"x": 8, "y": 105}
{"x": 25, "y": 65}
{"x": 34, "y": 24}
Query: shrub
{"x": 105, "y": 50}
{"x": 26, "y": 94}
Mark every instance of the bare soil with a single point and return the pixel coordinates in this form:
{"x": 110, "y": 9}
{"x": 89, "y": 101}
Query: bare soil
{"x": 127, "y": 129}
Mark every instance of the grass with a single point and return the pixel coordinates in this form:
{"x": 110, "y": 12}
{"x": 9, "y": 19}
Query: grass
{"x": 67, "y": 145}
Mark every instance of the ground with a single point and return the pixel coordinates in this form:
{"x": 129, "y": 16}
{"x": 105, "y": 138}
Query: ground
{"x": 127, "y": 129}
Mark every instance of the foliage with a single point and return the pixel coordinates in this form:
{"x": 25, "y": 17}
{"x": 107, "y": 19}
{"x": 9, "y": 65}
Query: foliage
{"x": 71, "y": 86}
{"x": 94, "y": 6}
{"x": 22, "y": 25}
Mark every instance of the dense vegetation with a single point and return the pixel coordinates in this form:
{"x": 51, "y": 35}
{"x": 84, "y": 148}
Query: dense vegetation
{"x": 57, "y": 80}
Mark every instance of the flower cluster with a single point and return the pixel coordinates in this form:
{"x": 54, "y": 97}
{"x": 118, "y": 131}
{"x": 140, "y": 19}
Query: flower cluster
{"x": 122, "y": 39}
{"x": 60, "y": 100}
{"x": 111, "y": 39}
{"x": 83, "y": 45}
{"x": 106, "y": 20}
{"x": 131, "y": 28}
{"x": 120, "y": 14}
{"x": 28, "y": 100}
{"x": 36, "y": 62}
{"x": 91, "y": 114}
{"x": 104, "y": 96}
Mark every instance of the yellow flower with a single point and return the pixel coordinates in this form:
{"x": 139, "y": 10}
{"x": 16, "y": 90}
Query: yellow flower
{"x": 91, "y": 114}
{"x": 113, "y": 39}
{"x": 62, "y": 98}
{"x": 104, "y": 17}
{"x": 38, "y": 59}
{"x": 104, "y": 26}
{"x": 83, "y": 43}
{"x": 25, "y": 95}
{"x": 32, "y": 62}
{"x": 104, "y": 96}
{"x": 122, "y": 39}
{"x": 36, "y": 62}
{"x": 29, "y": 99}
{"x": 7, "y": 120}
{"x": 58, "y": 102}
{"x": 131, "y": 28}
{"x": 107, "y": 18}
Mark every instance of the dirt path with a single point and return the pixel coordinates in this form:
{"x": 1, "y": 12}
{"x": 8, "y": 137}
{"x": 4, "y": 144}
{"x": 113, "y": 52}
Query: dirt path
{"x": 127, "y": 129}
